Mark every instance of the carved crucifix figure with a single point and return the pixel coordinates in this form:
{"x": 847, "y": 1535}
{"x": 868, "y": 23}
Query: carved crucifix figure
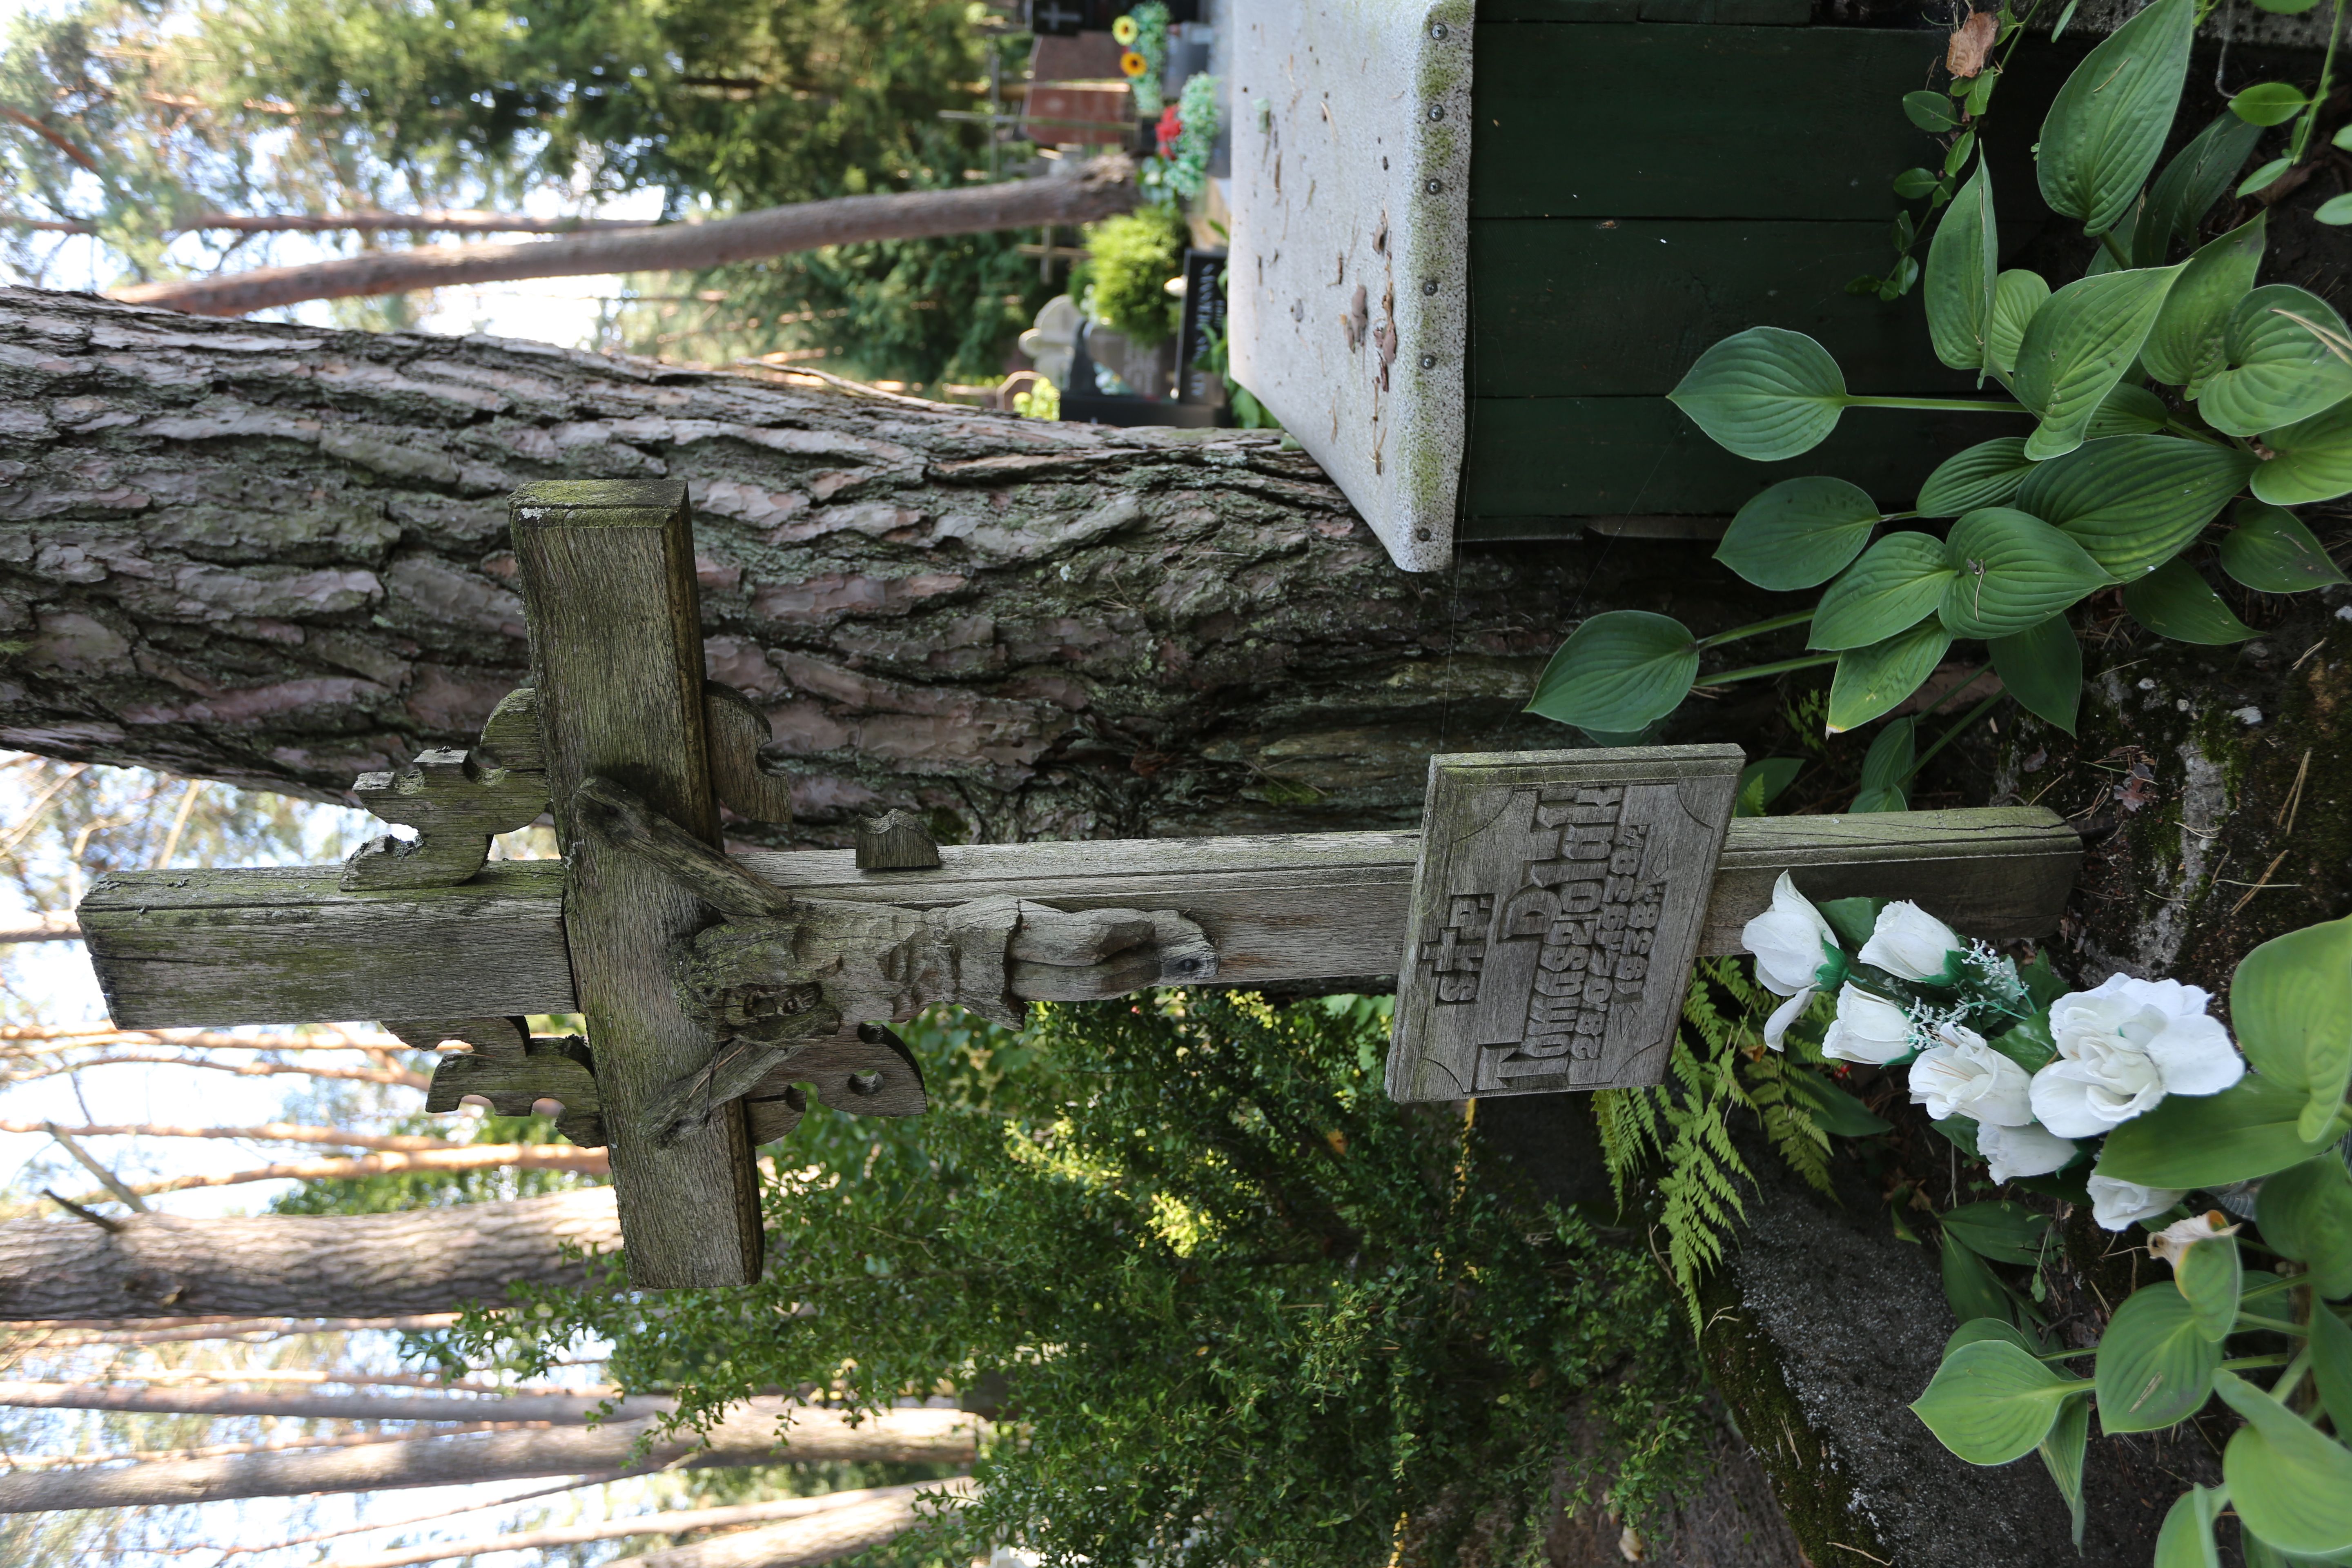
{"x": 1540, "y": 931}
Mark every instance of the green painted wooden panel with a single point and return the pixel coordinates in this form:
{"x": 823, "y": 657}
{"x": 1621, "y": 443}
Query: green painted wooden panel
{"x": 1575, "y": 306}
{"x": 1636, "y": 120}
{"x": 1566, "y": 456}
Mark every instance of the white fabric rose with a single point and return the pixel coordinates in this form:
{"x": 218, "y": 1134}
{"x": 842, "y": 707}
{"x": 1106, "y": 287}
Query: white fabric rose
{"x": 1776, "y": 1028}
{"x": 1791, "y": 942}
{"x": 2115, "y": 1204}
{"x": 1963, "y": 1076}
{"x": 1868, "y": 1028}
{"x": 2029, "y": 1151}
{"x": 1910, "y": 943}
{"x": 2125, "y": 1045}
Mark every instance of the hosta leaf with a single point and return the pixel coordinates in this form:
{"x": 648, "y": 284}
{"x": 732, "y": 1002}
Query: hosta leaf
{"x": 2187, "y": 1539}
{"x": 2307, "y": 1214}
{"x": 1986, "y": 474}
{"x": 2291, "y": 1485}
{"x": 1800, "y": 533}
{"x": 2156, "y": 1365}
{"x": 2128, "y": 411}
{"x": 2288, "y": 358}
{"x": 2078, "y": 345}
{"x": 2271, "y": 551}
{"x": 1898, "y": 581}
{"x": 2062, "y": 1456}
{"x": 1962, "y": 262}
{"x": 2291, "y": 1001}
{"x": 2311, "y": 460}
{"x": 2010, "y": 572}
{"x": 2001, "y": 1328}
{"x": 2199, "y": 175}
{"x": 1618, "y": 670}
{"x": 2173, "y": 601}
{"x": 2185, "y": 346}
{"x": 2210, "y": 1275}
{"x": 2002, "y": 1231}
{"x": 2107, "y": 127}
{"x": 2331, "y": 1366}
{"x": 2207, "y": 1141}
{"x": 1991, "y": 1402}
{"x": 2017, "y": 294}
{"x": 2042, "y": 668}
{"x": 1871, "y": 680}
{"x": 1765, "y": 394}
{"x": 2133, "y": 501}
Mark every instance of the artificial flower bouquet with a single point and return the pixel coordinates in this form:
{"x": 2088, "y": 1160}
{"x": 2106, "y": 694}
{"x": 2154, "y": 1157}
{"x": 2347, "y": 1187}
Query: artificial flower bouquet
{"x": 2130, "y": 1097}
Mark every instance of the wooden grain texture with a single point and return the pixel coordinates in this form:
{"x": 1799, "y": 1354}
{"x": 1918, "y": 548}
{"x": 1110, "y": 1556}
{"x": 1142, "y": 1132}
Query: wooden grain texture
{"x": 457, "y": 807}
{"x": 609, "y": 591}
{"x": 895, "y": 841}
{"x": 737, "y": 733}
{"x": 510, "y": 737}
{"x": 287, "y": 945}
{"x": 1555, "y": 914}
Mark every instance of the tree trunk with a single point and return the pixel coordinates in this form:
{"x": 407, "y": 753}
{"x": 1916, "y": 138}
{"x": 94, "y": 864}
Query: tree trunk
{"x": 462, "y": 1157}
{"x": 747, "y": 1436}
{"x": 364, "y": 221}
{"x": 277, "y": 556}
{"x": 1105, "y": 186}
{"x": 375, "y": 1265}
{"x": 566, "y": 1409}
{"x": 803, "y": 1542}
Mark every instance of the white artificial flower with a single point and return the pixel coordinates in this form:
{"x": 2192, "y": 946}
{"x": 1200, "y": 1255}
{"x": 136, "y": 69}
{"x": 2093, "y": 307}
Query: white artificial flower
{"x": 1868, "y": 1029}
{"x": 1962, "y": 1076}
{"x": 2125, "y": 1045}
{"x": 1787, "y": 1013}
{"x": 2115, "y": 1204}
{"x": 2172, "y": 1243}
{"x": 2031, "y": 1150}
{"x": 1910, "y": 943}
{"x": 1791, "y": 942}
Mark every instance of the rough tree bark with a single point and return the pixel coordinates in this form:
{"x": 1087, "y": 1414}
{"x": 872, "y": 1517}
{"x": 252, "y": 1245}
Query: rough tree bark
{"x": 372, "y": 1265}
{"x": 748, "y": 1435}
{"x": 1105, "y": 186}
{"x": 277, "y": 557}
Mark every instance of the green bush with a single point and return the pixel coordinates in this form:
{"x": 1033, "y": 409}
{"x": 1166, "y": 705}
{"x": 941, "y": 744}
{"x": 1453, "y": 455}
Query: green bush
{"x": 1239, "y": 1306}
{"x": 1123, "y": 282}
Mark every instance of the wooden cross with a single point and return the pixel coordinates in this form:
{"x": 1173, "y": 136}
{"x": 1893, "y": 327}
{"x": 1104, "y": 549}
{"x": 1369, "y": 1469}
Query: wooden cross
{"x": 1542, "y": 928}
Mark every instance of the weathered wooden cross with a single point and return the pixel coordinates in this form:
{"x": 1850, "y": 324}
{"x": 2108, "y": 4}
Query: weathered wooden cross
{"x": 1542, "y": 927}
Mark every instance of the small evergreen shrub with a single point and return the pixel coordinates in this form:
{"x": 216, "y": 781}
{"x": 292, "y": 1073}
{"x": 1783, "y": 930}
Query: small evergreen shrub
{"x": 1123, "y": 281}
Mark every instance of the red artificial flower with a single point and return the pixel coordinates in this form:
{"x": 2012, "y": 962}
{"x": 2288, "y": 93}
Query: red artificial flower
{"x": 1172, "y": 126}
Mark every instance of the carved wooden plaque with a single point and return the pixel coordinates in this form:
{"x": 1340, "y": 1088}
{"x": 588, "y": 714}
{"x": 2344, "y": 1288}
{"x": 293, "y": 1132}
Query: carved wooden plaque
{"x": 1556, "y": 915}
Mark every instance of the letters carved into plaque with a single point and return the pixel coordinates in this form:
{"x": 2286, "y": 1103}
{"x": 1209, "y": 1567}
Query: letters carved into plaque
{"x": 1556, "y": 915}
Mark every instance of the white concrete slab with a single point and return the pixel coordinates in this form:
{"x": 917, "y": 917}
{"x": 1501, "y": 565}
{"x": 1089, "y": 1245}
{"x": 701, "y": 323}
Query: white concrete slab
{"x": 1350, "y": 281}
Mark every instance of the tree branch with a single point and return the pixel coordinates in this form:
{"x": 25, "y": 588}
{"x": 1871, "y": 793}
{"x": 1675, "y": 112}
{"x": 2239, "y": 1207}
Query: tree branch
{"x": 463, "y": 1157}
{"x": 269, "y": 1132}
{"x": 562, "y": 1409}
{"x": 431, "y": 220}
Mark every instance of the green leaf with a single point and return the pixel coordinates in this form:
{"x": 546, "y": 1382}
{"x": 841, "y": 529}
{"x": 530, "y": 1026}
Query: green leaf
{"x": 2001, "y": 1329}
{"x": 2003, "y": 1231}
{"x": 2134, "y": 501}
{"x": 1834, "y": 1110}
{"x": 2288, "y": 358}
{"x": 2041, "y": 981}
{"x": 2331, "y": 1366}
{"x": 2284, "y": 8}
{"x": 1913, "y": 183}
{"x": 1962, "y": 260}
{"x": 2209, "y": 1141}
{"x": 1618, "y": 670}
{"x": 2042, "y": 668}
{"x": 1886, "y": 770}
{"x": 2291, "y": 1000}
{"x": 2079, "y": 343}
{"x": 1930, "y": 111}
{"x": 1761, "y": 783}
{"x": 1991, "y": 1402}
{"x": 2291, "y": 1485}
{"x": 2156, "y": 1365}
{"x": 1854, "y": 920}
{"x": 2210, "y": 1275}
{"x": 2310, "y": 460}
{"x": 2271, "y": 551}
{"x": 2029, "y": 1044}
{"x": 2017, "y": 294}
{"x": 1800, "y": 533}
{"x": 2306, "y": 1213}
{"x": 1969, "y": 1285}
{"x": 1870, "y": 680}
{"x": 1897, "y": 582}
{"x": 1765, "y": 394}
{"x": 2262, "y": 178}
{"x": 2174, "y": 601}
{"x": 2336, "y": 210}
{"x": 2268, "y": 103}
{"x": 2128, "y": 411}
{"x": 2187, "y": 1539}
{"x": 2199, "y": 175}
{"x": 2010, "y": 572}
{"x": 1986, "y": 474}
{"x": 2186, "y": 345}
{"x": 2107, "y": 127}
{"x": 2062, "y": 1456}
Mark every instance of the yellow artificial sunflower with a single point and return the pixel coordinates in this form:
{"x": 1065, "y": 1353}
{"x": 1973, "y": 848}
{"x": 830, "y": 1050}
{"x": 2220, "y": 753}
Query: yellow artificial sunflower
{"x": 1126, "y": 31}
{"x": 1133, "y": 64}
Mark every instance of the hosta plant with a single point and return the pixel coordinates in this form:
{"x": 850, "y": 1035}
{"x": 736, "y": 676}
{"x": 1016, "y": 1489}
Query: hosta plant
{"x": 2163, "y": 394}
{"x": 2130, "y": 1099}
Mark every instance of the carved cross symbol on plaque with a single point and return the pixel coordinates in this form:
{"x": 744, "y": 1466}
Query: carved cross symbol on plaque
{"x": 1541, "y": 929}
